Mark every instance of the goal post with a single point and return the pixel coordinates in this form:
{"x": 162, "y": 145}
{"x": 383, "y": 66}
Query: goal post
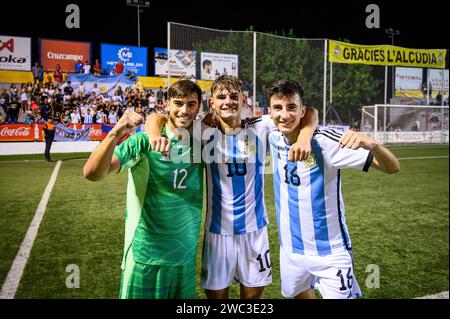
{"x": 406, "y": 123}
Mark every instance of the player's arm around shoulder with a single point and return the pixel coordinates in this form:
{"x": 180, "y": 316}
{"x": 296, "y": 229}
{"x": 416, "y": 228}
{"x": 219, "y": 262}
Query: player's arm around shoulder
{"x": 301, "y": 149}
{"x": 102, "y": 160}
{"x": 153, "y": 128}
{"x": 383, "y": 159}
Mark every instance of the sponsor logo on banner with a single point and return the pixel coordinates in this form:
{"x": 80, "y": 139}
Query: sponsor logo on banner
{"x": 134, "y": 59}
{"x": 15, "y": 53}
{"x": 64, "y": 53}
{"x": 181, "y": 62}
{"x": 341, "y": 52}
{"x": 438, "y": 79}
{"x": 16, "y": 132}
{"x": 408, "y": 78}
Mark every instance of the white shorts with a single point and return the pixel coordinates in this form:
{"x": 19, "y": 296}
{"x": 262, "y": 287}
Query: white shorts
{"x": 243, "y": 258}
{"x": 333, "y": 275}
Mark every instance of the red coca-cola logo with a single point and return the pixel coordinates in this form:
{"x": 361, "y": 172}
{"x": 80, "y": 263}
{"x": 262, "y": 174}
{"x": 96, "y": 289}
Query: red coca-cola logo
{"x": 20, "y": 131}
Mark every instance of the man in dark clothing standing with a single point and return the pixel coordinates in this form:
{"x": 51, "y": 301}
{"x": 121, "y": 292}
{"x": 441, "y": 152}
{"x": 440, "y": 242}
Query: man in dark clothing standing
{"x": 49, "y": 133}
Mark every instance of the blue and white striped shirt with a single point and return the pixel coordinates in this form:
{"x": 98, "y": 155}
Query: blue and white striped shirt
{"x": 235, "y": 178}
{"x": 308, "y": 198}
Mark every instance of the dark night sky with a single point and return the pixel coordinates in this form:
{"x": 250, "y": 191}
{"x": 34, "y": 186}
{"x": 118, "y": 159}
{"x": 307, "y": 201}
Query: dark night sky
{"x": 420, "y": 26}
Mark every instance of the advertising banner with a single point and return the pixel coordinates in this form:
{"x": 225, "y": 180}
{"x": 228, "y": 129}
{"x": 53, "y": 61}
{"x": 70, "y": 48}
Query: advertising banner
{"x": 408, "y": 78}
{"x": 17, "y": 132}
{"x": 15, "y": 53}
{"x": 134, "y": 59}
{"x": 64, "y": 133}
{"x": 182, "y": 62}
{"x": 62, "y": 52}
{"x": 435, "y": 78}
{"x": 341, "y": 52}
{"x": 410, "y": 137}
{"x": 216, "y": 64}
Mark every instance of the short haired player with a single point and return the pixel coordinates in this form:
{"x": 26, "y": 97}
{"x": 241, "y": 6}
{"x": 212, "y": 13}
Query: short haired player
{"x": 315, "y": 244}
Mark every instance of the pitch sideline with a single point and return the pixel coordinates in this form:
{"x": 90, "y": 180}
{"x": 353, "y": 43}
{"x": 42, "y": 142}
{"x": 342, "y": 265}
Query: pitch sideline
{"x": 15, "y": 273}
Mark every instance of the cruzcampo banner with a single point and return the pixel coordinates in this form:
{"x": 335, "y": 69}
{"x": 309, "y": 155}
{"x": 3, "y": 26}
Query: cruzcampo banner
{"x": 341, "y": 52}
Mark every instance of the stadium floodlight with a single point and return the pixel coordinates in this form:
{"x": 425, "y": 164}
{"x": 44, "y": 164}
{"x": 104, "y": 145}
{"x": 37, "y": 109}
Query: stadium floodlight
{"x": 392, "y": 33}
{"x": 138, "y": 4}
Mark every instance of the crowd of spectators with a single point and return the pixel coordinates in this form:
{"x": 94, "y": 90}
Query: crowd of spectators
{"x": 36, "y": 102}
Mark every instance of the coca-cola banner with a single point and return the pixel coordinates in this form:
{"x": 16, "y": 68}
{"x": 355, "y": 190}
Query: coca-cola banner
{"x": 17, "y": 132}
{"x": 33, "y": 132}
{"x": 15, "y": 53}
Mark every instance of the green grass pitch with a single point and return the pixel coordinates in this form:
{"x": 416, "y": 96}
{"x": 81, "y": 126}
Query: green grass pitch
{"x": 399, "y": 223}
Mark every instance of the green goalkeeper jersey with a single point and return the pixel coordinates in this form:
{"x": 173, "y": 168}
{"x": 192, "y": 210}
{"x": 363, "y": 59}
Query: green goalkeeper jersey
{"x": 164, "y": 201}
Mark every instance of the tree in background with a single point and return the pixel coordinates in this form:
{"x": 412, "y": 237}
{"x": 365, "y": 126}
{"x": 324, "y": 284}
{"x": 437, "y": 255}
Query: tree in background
{"x": 286, "y": 56}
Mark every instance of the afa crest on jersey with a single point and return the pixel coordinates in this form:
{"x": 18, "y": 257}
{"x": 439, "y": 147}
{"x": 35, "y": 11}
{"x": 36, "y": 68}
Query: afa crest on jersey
{"x": 310, "y": 161}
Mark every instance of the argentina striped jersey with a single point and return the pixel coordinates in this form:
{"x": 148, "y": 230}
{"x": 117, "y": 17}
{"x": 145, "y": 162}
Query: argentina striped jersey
{"x": 308, "y": 198}
{"x": 235, "y": 178}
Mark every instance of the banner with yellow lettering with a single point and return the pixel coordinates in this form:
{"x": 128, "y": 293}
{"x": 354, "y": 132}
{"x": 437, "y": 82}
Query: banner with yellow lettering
{"x": 341, "y": 52}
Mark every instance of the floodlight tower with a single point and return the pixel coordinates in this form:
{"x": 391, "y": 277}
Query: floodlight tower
{"x": 138, "y": 4}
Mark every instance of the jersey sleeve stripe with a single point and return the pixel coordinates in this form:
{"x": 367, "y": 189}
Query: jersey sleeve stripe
{"x": 368, "y": 162}
{"x": 327, "y": 135}
{"x": 215, "y": 226}
{"x": 333, "y": 132}
{"x": 341, "y": 226}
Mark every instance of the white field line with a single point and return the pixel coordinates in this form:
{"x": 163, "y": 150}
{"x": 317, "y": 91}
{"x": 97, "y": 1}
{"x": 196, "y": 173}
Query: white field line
{"x": 26, "y": 161}
{"x": 441, "y": 295}
{"x": 419, "y": 158}
{"x": 416, "y": 147}
{"x": 12, "y": 280}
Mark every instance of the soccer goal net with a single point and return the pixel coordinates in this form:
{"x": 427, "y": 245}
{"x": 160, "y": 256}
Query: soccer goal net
{"x": 406, "y": 123}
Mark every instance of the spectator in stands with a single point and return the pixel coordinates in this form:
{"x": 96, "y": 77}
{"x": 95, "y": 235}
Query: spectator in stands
{"x": 132, "y": 76}
{"x": 86, "y": 67}
{"x": 160, "y": 96}
{"x": 30, "y": 87}
{"x": 41, "y": 74}
{"x": 46, "y": 110}
{"x": 49, "y": 133}
{"x": 151, "y": 103}
{"x": 119, "y": 67}
{"x": 81, "y": 91}
{"x": 13, "y": 91}
{"x": 88, "y": 117}
{"x": 29, "y": 118}
{"x": 367, "y": 127}
{"x": 12, "y": 111}
{"x": 75, "y": 117}
{"x": 68, "y": 90}
{"x": 2, "y": 109}
{"x": 439, "y": 98}
{"x": 65, "y": 117}
{"x": 78, "y": 66}
{"x": 101, "y": 117}
{"x": 112, "y": 117}
{"x": 35, "y": 70}
{"x": 24, "y": 97}
{"x": 34, "y": 107}
{"x": 57, "y": 76}
{"x": 96, "y": 90}
{"x": 97, "y": 68}
{"x": 4, "y": 98}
